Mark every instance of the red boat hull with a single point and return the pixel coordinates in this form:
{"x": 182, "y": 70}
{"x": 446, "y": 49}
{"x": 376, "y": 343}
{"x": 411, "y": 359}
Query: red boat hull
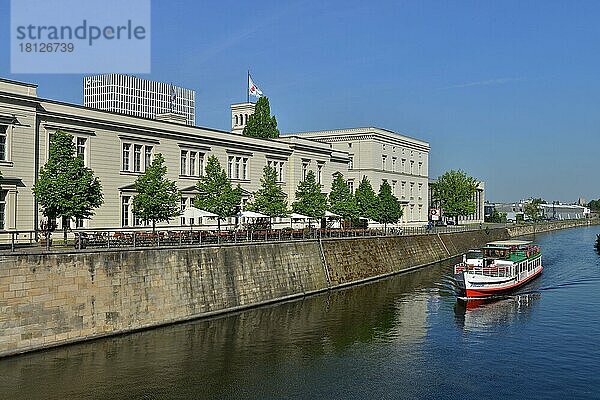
{"x": 472, "y": 293}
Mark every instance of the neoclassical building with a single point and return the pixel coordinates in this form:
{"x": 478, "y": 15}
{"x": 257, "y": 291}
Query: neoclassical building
{"x": 383, "y": 155}
{"x": 118, "y": 148}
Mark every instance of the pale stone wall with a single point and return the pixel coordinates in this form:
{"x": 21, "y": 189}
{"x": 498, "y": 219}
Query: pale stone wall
{"x": 57, "y": 298}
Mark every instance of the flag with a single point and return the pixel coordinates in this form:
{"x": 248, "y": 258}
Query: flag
{"x": 253, "y": 89}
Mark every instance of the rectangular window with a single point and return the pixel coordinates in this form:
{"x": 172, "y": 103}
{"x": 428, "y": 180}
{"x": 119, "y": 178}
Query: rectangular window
{"x": 184, "y": 162}
{"x": 403, "y": 190}
{"x": 412, "y": 164}
{"x": 237, "y": 167}
{"x": 3, "y": 209}
{"x": 412, "y": 190}
{"x": 137, "y": 158}
{"x": 200, "y": 164}
{"x": 125, "y": 211}
{"x": 419, "y": 170}
{"x": 394, "y": 187}
{"x": 181, "y": 208}
{"x": 420, "y": 190}
{"x": 350, "y": 162}
{"x": 350, "y": 186}
{"x": 230, "y": 161}
{"x": 244, "y": 168}
{"x": 126, "y": 154}
{"x": 81, "y": 148}
{"x": 193, "y": 163}
{"x": 319, "y": 173}
{"x": 281, "y": 171}
{"x": 79, "y": 222}
{"x": 304, "y": 170}
{"x": 394, "y": 164}
{"x": 147, "y": 157}
{"x": 383, "y": 160}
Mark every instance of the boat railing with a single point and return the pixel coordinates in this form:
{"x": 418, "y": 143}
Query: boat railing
{"x": 490, "y": 270}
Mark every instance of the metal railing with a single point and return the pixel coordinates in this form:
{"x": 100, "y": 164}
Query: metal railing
{"x": 491, "y": 271}
{"x": 81, "y": 239}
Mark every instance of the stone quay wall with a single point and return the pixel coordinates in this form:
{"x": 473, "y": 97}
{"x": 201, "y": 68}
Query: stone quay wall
{"x": 54, "y": 298}
{"x": 530, "y": 229}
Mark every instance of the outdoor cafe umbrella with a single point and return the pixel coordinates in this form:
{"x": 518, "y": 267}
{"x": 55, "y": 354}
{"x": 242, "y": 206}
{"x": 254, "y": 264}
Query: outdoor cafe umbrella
{"x": 196, "y": 213}
{"x": 294, "y": 216}
{"x": 251, "y": 214}
{"x": 329, "y": 214}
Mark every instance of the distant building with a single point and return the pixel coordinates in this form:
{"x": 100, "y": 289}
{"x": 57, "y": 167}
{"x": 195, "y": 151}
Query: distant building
{"x": 138, "y": 97}
{"x": 549, "y": 211}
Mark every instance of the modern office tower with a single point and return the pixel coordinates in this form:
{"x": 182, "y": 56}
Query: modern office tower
{"x": 130, "y": 95}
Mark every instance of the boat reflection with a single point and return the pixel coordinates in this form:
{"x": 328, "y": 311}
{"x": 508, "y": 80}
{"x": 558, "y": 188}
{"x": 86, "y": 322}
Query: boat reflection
{"x": 482, "y": 314}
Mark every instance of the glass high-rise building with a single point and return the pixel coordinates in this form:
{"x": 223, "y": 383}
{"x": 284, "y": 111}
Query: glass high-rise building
{"x": 130, "y": 95}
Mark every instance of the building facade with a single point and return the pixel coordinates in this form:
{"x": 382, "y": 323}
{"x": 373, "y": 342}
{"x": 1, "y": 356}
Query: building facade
{"x": 383, "y": 155}
{"x": 126, "y": 94}
{"x": 118, "y": 148}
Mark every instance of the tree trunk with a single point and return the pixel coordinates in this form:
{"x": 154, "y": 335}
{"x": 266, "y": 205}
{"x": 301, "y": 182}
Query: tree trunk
{"x": 65, "y": 222}
{"x": 153, "y": 227}
{"x": 456, "y": 220}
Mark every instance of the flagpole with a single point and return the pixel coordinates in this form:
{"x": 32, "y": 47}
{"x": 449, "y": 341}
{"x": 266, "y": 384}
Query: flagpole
{"x": 248, "y": 88}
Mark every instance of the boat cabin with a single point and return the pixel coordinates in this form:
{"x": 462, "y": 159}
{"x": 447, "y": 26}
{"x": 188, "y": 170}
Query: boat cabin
{"x": 510, "y": 250}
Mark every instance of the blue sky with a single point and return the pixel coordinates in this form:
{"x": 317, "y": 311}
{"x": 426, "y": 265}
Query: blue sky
{"x": 507, "y": 91}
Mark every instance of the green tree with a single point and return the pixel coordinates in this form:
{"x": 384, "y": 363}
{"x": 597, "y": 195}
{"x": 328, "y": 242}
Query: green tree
{"x": 389, "y": 209}
{"x": 66, "y": 187}
{"x": 532, "y": 209}
{"x": 454, "y": 191}
{"x": 366, "y": 199}
{"x": 157, "y": 198}
{"x": 309, "y": 199}
{"x": 341, "y": 200}
{"x": 496, "y": 217}
{"x": 216, "y": 194}
{"x": 594, "y": 205}
{"x": 261, "y": 124}
{"x": 270, "y": 198}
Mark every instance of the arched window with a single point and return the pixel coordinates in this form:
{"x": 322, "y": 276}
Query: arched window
{"x": 241, "y": 119}
{"x": 236, "y": 120}
{"x": 246, "y": 119}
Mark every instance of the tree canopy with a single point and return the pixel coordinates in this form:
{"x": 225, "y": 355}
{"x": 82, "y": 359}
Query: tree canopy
{"x": 366, "y": 199}
{"x": 389, "y": 209}
{"x": 66, "y": 187}
{"x": 216, "y": 193}
{"x": 270, "y": 198}
{"x": 496, "y": 216}
{"x": 532, "y": 209}
{"x": 157, "y": 198}
{"x": 341, "y": 199}
{"x": 594, "y": 205}
{"x": 454, "y": 191}
{"x": 309, "y": 199}
{"x": 261, "y": 124}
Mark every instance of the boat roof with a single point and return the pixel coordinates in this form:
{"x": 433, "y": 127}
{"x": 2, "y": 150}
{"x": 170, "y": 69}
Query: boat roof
{"x": 508, "y": 243}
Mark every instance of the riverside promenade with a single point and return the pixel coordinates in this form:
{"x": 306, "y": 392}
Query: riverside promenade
{"x": 61, "y": 296}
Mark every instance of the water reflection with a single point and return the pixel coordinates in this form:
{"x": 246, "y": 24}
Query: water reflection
{"x": 487, "y": 314}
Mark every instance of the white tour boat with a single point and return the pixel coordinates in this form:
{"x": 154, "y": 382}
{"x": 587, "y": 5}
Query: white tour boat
{"x": 497, "y": 268}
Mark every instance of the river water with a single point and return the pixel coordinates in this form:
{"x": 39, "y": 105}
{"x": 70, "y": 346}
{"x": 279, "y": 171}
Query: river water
{"x": 403, "y": 337}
